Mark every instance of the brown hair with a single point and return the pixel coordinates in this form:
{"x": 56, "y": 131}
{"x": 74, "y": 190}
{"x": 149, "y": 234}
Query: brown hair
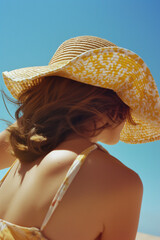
{"x": 49, "y": 112}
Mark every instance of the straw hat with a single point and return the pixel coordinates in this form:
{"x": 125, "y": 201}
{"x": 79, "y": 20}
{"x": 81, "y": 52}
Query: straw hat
{"x": 96, "y": 61}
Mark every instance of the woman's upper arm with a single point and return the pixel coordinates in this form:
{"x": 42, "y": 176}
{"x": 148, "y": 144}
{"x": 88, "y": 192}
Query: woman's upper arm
{"x": 6, "y": 159}
{"x": 121, "y": 221}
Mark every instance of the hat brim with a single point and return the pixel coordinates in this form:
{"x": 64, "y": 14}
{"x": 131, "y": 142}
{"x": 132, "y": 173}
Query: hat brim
{"x": 142, "y": 133}
{"x": 110, "y": 67}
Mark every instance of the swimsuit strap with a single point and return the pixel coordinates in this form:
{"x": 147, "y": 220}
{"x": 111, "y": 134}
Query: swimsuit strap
{"x": 73, "y": 170}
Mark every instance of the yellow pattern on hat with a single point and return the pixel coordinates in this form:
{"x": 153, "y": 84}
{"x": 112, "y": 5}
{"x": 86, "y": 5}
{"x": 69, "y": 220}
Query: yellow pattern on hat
{"x": 96, "y": 61}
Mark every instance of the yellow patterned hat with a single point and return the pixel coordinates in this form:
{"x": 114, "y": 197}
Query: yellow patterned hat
{"x": 96, "y": 61}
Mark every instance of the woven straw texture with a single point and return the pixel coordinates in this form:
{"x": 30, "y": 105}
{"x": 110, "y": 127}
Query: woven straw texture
{"x": 96, "y": 61}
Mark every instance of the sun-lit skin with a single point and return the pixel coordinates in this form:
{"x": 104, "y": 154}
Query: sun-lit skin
{"x": 109, "y": 135}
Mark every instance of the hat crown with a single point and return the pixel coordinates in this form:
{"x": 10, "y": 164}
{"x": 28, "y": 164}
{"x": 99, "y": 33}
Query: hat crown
{"x": 75, "y": 46}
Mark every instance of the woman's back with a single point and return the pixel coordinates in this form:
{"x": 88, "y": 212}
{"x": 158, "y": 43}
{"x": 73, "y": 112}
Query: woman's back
{"x": 30, "y": 189}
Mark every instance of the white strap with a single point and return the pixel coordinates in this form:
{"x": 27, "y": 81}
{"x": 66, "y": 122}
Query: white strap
{"x": 73, "y": 170}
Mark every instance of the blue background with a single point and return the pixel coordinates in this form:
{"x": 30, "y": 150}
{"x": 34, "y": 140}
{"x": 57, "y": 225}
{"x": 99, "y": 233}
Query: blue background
{"x": 31, "y": 31}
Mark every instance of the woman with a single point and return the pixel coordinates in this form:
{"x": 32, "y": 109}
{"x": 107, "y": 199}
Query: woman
{"x": 62, "y": 184}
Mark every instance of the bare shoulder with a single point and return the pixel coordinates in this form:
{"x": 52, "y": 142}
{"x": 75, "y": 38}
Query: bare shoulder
{"x": 118, "y": 179}
{"x": 120, "y": 192}
{"x": 112, "y": 170}
{"x": 103, "y": 181}
{"x": 121, "y": 199}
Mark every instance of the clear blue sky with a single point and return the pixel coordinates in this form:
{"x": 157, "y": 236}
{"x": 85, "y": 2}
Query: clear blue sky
{"x": 31, "y": 31}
